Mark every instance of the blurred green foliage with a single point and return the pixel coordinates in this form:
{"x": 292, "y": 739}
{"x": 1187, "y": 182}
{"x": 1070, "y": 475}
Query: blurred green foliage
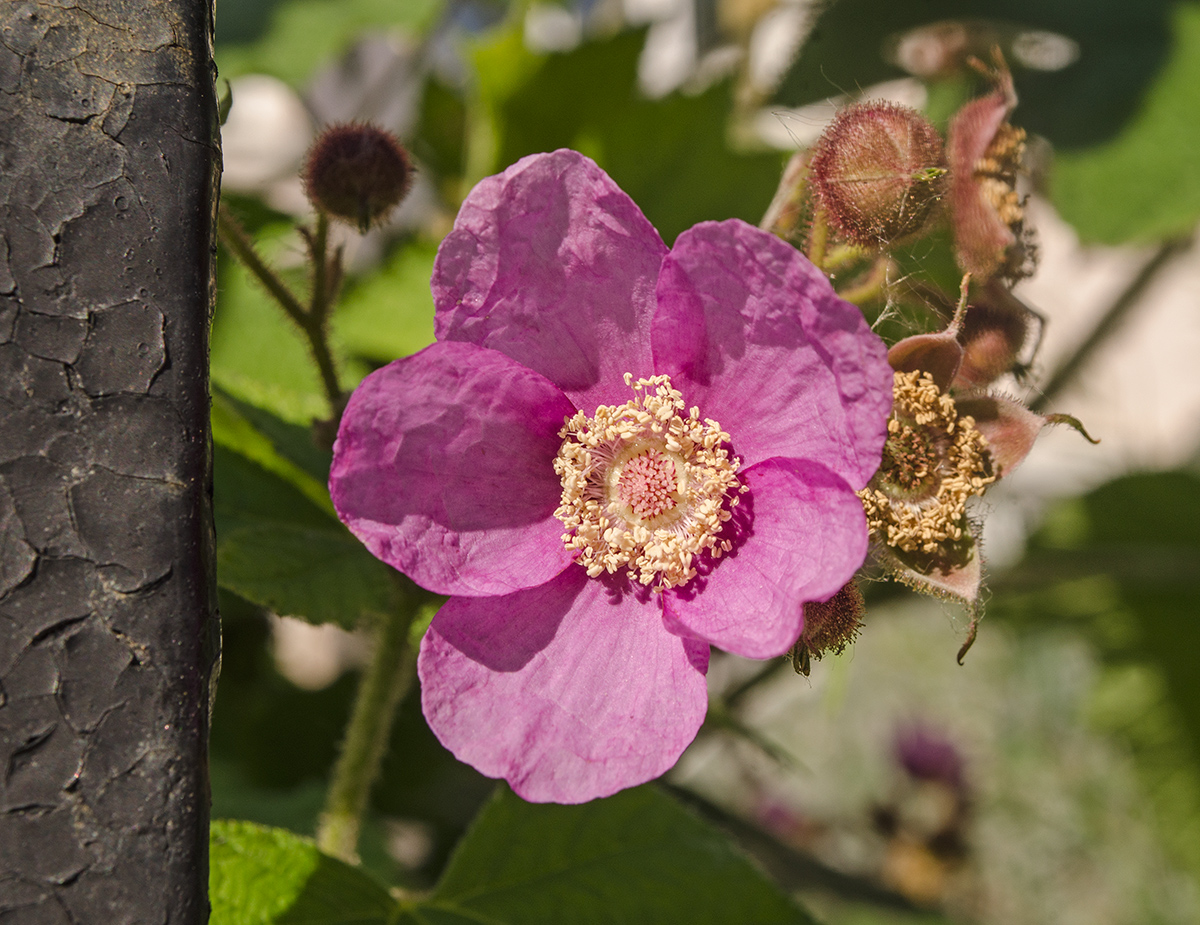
{"x": 1119, "y": 566}
{"x": 1122, "y": 566}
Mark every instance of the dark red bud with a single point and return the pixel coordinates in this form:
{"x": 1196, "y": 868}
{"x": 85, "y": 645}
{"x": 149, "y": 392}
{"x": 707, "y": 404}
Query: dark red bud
{"x": 878, "y": 171}
{"x": 357, "y": 173}
{"x": 829, "y": 626}
{"x": 996, "y": 333}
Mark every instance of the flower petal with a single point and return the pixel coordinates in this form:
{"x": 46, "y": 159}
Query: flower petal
{"x": 552, "y": 264}
{"x": 753, "y": 334}
{"x": 569, "y": 691}
{"x": 444, "y": 468}
{"x": 799, "y": 535}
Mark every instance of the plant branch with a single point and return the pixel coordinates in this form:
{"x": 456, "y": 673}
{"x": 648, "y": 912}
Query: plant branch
{"x": 1109, "y": 321}
{"x": 311, "y": 320}
{"x": 384, "y": 684}
{"x": 236, "y": 239}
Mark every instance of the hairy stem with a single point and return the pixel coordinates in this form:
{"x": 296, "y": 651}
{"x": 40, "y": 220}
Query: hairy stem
{"x": 384, "y": 684}
{"x": 235, "y": 238}
{"x": 818, "y": 239}
{"x": 312, "y": 320}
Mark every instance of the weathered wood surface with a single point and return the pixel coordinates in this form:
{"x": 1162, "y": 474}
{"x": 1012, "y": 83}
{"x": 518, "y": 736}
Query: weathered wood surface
{"x": 108, "y": 632}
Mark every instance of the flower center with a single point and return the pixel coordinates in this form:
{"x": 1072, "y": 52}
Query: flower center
{"x": 933, "y": 462}
{"x": 645, "y": 486}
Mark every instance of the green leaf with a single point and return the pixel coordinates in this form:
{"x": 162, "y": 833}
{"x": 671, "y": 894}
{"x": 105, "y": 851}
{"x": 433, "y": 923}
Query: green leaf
{"x": 279, "y": 446}
{"x": 634, "y": 857}
{"x": 246, "y": 493}
{"x": 671, "y": 155}
{"x": 265, "y": 876}
{"x": 317, "y": 575}
{"x": 258, "y": 354}
{"x": 1144, "y": 184}
{"x": 290, "y": 39}
{"x": 278, "y": 549}
{"x": 390, "y": 313}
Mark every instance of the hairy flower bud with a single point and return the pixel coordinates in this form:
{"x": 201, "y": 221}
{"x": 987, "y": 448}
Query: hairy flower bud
{"x": 878, "y": 172}
{"x": 357, "y": 173}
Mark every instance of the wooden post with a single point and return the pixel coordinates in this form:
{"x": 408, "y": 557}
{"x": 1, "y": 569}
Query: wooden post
{"x": 108, "y": 628}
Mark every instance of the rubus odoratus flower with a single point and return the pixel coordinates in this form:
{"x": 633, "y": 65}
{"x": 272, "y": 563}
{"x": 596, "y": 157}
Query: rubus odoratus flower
{"x": 986, "y": 211}
{"x": 616, "y": 455}
{"x": 949, "y": 439}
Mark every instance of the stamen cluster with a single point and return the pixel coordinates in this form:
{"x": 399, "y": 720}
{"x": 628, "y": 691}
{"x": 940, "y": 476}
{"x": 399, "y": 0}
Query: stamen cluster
{"x": 645, "y": 486}
{"x": 934, "y": 461}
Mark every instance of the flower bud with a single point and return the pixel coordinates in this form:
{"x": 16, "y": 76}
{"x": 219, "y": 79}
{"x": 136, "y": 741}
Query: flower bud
{"x": 357, "y": 173}
{"x": 930, "y": 756}
{"x": 878, "y": 172}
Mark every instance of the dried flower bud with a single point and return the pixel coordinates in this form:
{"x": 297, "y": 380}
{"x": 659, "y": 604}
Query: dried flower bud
{"x": 934, "y": 462}
{"x": 987, "y": 213}
{"x": 357, "y": 173}
{"x": 1010, "y": 428}
{"x": 998, "y": 335}
{"x": 829, "y": 626}
{"x": 878, "y": 171}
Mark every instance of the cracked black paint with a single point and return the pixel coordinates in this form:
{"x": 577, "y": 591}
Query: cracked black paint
{"x": 108, "y": 170}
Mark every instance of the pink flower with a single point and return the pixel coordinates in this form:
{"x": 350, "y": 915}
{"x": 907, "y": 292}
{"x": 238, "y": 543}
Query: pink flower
{"x": 542, "y": 464}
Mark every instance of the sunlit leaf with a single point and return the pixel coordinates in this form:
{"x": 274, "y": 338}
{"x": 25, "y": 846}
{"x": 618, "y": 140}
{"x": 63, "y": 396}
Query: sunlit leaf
{"x": 290, "y": 39}
{"x": 266, "y": 876}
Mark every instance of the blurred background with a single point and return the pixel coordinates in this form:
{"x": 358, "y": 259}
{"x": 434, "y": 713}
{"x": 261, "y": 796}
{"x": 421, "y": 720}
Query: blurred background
{"x": 1052, "y": 778}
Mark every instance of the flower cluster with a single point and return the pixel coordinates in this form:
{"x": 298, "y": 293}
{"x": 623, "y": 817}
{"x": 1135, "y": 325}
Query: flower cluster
{"x": 615, "y": 455}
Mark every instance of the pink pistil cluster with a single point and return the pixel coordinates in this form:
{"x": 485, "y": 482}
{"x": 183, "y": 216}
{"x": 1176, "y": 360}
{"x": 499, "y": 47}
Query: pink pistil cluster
{"x": 647, "y": 484}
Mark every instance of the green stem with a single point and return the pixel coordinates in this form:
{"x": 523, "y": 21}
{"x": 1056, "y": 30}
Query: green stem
{"x": 318, "y": 245}
{"x": 239, "y": 243}
{"x": 818, "y": 239}
{"x": 311, "y": 321}
{"x": 321, "y": 304}
{"x": 872, "y": 286}
{"x": 383, "y": 686}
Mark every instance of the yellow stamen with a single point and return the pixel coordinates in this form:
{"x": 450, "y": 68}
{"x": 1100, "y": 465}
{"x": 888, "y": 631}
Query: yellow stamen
{"x": 934, "y": 462}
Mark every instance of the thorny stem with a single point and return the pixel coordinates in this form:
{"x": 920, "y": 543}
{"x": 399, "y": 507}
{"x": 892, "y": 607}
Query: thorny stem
{"x": 383, "y": 685}
{"x": 311, "y": 321}
{"x": 1109, "y": 321}
{"x": 320, "y": 304}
